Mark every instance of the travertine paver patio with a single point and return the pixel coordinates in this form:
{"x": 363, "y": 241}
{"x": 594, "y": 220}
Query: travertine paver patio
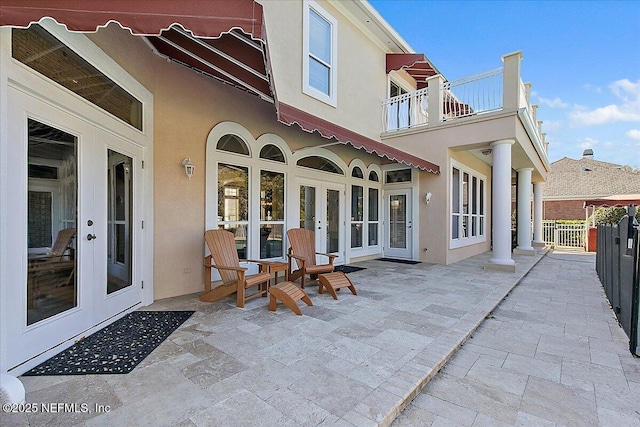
{"x": 551, "y": 354}
{"x": 355, "y": 361}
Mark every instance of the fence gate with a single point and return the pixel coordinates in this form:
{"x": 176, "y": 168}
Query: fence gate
{"x": 618, "y": 268}
{"x": 564, "y": 235}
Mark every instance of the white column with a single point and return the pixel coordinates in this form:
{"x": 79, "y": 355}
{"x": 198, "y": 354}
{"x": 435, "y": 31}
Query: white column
{"x": 501, "y": 207}
{"x": 511, "y": 81}
{"x": 435, "y": 99}
{"x": 524, "y": 212}
{"x": 538, "y": 237}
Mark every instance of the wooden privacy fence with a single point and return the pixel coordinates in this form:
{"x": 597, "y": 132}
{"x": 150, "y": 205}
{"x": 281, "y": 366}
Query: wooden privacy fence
{"x": 618, "y": 268}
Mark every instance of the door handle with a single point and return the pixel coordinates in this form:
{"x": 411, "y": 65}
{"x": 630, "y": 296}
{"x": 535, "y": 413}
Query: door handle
{"x": 90, "y": 237}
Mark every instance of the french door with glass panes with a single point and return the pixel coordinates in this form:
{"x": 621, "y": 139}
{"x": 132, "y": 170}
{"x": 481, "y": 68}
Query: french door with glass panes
{"x": 398, "y": 224}
{"x": 75, "y": 225}
{"x": 322, "y": 210}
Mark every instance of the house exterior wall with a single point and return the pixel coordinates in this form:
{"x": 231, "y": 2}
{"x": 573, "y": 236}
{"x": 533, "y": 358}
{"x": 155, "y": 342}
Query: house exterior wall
{"x": 187, "y": 107}
{"x": 362, "y": 82}
{"x": 564, "y": 209}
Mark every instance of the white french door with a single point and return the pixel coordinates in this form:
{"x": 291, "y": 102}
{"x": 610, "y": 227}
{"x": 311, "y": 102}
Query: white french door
{"x": 88, "y": 217}
{"x": 398, "y": 225}
{"x": 117, "y": 208}
{"x": 322, "y": 209}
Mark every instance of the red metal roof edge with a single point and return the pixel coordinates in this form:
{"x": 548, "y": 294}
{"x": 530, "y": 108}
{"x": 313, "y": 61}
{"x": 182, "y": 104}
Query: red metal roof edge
{"x": 614, "y": 201}
{"x": 309, "y": 123}
{"x": 397, "y": 61}
{"x": 140, "y": 17}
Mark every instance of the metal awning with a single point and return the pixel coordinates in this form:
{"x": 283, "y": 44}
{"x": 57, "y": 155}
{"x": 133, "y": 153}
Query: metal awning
{"x": 417, "y": 65}
{"x": 224, "y": 40}
{"x": 309, "y": 123}
{"x": 620, "y": 200}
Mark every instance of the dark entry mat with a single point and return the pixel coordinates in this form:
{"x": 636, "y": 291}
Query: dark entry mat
{"x": 347, "y": 268}
{"x": 116, "y": 348}
{"x": 399, "y": 261}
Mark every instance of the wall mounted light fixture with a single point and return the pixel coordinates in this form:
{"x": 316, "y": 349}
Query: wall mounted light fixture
{"x": 427, "y": 197}
{"x": 189, "y": 168}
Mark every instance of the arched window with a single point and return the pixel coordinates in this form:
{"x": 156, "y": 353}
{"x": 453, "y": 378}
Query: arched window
{"x": 357, "y": 173}
{"x": 271, "y": 152}
{"x": 233, "y": 144}
{"x": 373, "y": 176}
{"x": 320, "y": 163}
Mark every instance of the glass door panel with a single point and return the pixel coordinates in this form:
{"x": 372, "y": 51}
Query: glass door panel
{"x": 307, "y": 207}
{"x": 398, "y": 227}
{"x": 333, "y": 221}
{"x": 321, "y": 210}
{"x": 119, "y": 224}
{"x": 398, "y": 221}
{"x": 51, "y": 227}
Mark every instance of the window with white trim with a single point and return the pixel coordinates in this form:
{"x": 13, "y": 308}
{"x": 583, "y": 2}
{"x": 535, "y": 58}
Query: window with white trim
{"x": 319, "y": 53}
{"x": 467, "y": 206}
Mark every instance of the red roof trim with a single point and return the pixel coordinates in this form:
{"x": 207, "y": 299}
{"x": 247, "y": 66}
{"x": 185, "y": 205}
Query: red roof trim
{"x": 416, "y": 64}
{"x": 309, "y": 123}
{"x": 611, "y": 201}
{"x": 203, "y": 18}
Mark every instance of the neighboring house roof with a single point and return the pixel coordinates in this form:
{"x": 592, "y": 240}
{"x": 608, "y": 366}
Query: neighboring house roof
{"x": 570, "y": 179}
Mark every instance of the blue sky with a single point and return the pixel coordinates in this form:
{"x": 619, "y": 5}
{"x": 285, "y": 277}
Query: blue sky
{"x": 582, "y": 57}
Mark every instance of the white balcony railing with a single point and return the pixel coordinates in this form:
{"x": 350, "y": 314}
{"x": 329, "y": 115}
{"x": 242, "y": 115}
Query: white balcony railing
{"x": 473, "y": 95}
{"x": 496, "y": 90}
{"x": 405, "y": 111}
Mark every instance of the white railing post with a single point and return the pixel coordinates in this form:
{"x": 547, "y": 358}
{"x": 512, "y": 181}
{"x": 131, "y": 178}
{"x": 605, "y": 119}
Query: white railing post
{"x": 435, "y": 99}
{"x": 511, "y": 81}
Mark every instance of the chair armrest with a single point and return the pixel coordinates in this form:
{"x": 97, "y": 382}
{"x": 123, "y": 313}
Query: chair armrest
{"x": 224, "y": 267}
{"x": 298, "y": 257}
{"x": 256, "y": 261}
{"x": 330, "y": 256}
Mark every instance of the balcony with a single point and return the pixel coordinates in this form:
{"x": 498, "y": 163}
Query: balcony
{"x": 472, "y": 98}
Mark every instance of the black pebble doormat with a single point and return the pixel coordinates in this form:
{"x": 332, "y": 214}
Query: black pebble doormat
{"x": 117, "y": 348}
{"x": 348, "y": 269}
{"x": 399, "y": 261}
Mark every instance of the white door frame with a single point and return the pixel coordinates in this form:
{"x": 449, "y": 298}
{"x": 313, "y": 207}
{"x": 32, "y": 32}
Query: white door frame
{"x": 407, "y": 251}
{"x": 13, "y": 186}
{"x": 107, "y": 305}
{"x": 320, "y": 223}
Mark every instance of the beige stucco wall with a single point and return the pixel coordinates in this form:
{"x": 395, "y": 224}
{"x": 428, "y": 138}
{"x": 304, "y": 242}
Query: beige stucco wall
{"x": 362, "y": 82}
{"x": 435, "y": 219}
{"x": 187, "y": 106}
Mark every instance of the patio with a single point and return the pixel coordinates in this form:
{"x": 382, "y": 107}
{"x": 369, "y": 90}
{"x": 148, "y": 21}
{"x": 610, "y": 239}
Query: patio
{"x": 355, "y": 361}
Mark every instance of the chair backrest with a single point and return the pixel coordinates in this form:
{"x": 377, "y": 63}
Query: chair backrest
{"x": 222, "y": 245}
{"x": 62, "y": 243}
{"x": 303, "y": 243}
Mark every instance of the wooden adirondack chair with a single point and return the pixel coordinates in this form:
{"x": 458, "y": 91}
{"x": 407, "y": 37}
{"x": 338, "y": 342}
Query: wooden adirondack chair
{"x": 224, "y": 255}
{"x": 53, "y": 270}
{"x": 303, "y": 250}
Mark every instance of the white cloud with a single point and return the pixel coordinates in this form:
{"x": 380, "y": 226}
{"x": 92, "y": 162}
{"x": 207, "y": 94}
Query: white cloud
{"x": 627, "y": 110}
{"x": 553, "y": 103}
{"x": 588, "y": 143}
{"x": 633, "y": 134}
